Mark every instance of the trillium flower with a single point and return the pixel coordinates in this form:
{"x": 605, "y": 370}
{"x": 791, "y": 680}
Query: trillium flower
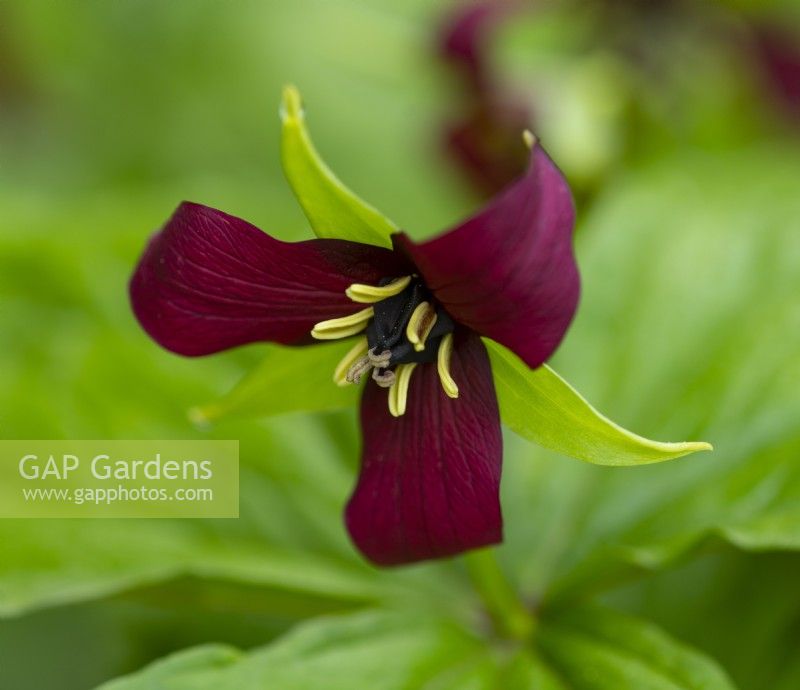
{"x": 430, "y": 476}
{"x": 416, "y": 317}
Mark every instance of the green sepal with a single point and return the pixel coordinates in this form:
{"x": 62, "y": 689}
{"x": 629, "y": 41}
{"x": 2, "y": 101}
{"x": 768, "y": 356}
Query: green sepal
{"x": 542, "y": 407}
{"x": 331, "y": 208}
{"x": 288, "y": 379}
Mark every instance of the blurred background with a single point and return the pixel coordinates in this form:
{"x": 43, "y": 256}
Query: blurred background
{"x": 677, "y": 123}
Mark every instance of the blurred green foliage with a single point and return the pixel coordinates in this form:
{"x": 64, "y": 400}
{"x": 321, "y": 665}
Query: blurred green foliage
{"x": 112, "y": 113}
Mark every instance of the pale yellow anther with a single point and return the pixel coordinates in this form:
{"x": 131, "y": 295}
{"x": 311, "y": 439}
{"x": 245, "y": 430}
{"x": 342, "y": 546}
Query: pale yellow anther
{"x": 529, "y": 138}
{"x": 369, "y": 294}
{"x": 398, "y": 393}
{"x": 333, "y": 329}
{"x": 420, "y": 324}
{"x": 356, "y": 353}
{"x": 443, "y": 366}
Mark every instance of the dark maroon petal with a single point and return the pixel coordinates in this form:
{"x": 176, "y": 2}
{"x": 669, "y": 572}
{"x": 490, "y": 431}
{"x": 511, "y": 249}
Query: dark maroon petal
{"x": 430, "y": 480}
{"x": 509, "y": 272}
{"x": 210, "y": 281}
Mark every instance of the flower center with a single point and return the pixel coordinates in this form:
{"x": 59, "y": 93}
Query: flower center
{"x": 404, "y": 327}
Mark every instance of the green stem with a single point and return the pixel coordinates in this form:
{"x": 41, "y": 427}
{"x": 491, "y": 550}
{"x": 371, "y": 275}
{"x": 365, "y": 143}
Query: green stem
{"x": 507, "y": 610}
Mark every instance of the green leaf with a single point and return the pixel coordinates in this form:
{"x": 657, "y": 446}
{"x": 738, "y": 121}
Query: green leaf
{"x": 186, "y": 669}
{"x": 595, "y": 648}
{"x": 289, "y": 379}
{"x": 753, "y": 508}
{"x": 368, "y": 650}
{"x": 588, "y": 648}
{"x": 541, "y": 406}
{"x": 527, "y": 671}
{"x": 739, "y": 607}
{"x": 50, "y": 563}
{"x": 331, "y": 208}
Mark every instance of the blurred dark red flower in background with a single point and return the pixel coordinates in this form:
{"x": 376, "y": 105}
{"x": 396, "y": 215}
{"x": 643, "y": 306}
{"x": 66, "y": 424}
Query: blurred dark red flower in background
{"x": 779, "y": 52}
{"x": 483, "y": 139}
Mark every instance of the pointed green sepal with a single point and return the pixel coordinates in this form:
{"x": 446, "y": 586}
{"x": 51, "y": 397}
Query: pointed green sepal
{"x": 289, "y": 379}
{"x": 542, "y": 407}
{"x": 331, "y": 208}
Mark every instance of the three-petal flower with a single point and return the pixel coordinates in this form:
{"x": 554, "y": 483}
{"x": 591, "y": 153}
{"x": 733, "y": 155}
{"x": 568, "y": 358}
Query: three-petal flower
{"x": 432, "y": 452}
{"x": 423, "y": 320}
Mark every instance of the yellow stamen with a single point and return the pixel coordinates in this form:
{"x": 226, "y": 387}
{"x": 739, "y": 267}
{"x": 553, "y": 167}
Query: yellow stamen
{"x": 398, "y": 393}
{"x": 420, "y": 324}
{"x": 529, "y": 138}
{"x": 369, "y": 294}
{"x": 333, "y": 329}
{"x": 443, "y": 365}
{"x": 357, "y": 352}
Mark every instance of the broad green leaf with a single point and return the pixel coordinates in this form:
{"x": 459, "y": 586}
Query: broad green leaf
{"x": 594, "y": 648}
{"x": 539, "y": 405}
{"x": 528, "y": 671}
{"x": 193, "y": 668}
{"x": 49, "y": 563}
{"x": 739, "y": 607}
{"x": 753, "y": 508}
{"x": 289, "y": 379}
{"x": 588, "y": 648}
{"x": 331, "y": 208}
{"x": 369, "y": 650}
{"x": 777, "y": 529}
